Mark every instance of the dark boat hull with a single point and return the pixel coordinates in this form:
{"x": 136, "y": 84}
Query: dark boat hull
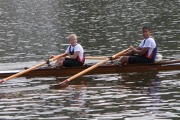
{"x": 105, "y": 69}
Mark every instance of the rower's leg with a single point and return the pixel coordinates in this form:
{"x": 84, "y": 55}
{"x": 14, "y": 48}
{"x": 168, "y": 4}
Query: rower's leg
{"x": 123, "y": 60}
{"x": 59, "y": 63}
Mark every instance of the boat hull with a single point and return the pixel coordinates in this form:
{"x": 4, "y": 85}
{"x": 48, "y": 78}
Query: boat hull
{"x": 105, "y": 69}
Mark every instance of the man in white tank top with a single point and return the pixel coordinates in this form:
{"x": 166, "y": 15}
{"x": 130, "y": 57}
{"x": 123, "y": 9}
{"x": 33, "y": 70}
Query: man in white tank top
{"x": 74, "y": 52}
{"x": 144, "y": 53}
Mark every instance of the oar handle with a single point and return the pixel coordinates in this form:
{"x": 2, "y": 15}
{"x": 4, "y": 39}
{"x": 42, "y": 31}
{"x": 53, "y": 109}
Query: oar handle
{"x": 120, "y": 53}
{"x": 57, "y": 57}
{"x": 32, "y": 68}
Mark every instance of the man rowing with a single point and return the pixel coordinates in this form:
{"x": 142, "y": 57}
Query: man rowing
{"x": 144, "y": 53}
{"x": 74, "y": 52}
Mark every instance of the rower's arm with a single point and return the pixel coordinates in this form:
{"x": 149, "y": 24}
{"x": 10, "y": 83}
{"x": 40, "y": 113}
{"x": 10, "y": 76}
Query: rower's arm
{"x": 128, "y": 53}
{"x": 140, "y": 51}
{"x": 75, "y": 55}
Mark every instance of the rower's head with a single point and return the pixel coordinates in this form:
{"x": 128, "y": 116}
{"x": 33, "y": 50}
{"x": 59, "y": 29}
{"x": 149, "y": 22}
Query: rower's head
{"x": 72, "y": 39}
{"x": 146, "y": 31}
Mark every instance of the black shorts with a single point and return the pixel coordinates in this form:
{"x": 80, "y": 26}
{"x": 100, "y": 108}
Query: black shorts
{"x": 71, "y": 62}
{"x": 139, "y": 59}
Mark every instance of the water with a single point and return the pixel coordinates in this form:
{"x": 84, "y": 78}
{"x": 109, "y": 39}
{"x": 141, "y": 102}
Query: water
{"x": 31, "y": 30}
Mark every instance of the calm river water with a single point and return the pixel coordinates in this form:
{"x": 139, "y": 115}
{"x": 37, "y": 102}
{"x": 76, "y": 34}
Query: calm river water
{"x": 31, "y": 30}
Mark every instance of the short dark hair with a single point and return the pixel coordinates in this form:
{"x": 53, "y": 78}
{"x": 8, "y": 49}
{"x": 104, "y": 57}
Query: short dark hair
{"x": 146, "y": 27}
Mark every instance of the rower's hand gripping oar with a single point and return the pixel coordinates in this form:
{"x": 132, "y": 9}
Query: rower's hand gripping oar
{"x": 88, "y": 69}
{"x": 32, "y": 68}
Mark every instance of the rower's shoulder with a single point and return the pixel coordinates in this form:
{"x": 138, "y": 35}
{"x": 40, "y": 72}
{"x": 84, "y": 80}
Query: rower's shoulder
{"x": 151, "y": 38}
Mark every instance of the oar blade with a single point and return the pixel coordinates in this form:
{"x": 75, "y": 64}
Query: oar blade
{"x": 2, "y": 81}
{"x": 61, "y": 85}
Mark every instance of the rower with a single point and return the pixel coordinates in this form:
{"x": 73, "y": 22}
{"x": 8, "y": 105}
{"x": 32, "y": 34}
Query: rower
{"x": 144, "y": 53}
{"x": 75, "y": 53}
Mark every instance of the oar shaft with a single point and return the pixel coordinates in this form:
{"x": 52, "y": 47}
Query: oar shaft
{"x": 120, "y": 53}
{"x": 32, "y": 68}
{"x": 85, "y": 71}
{"x": 93, "y": 67}
{"x": 96, "y": 58}
{"x": 25, "y": 71}
{"x": 57, "y": 57}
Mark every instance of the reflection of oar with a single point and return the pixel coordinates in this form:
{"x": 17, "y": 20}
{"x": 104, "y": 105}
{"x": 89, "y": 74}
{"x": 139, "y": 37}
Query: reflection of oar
{"x": 89, "y": 69}
{"x": 32, "y": 68}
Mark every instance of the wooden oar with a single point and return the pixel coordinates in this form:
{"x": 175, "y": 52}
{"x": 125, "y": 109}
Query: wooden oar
{"x": 32, "y": 68}
{"x": 88, "y": 69}
{"x": 96, "y": 58}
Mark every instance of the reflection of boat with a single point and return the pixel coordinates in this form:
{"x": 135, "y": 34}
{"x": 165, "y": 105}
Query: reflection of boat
{"x": 140, "y": 80}
{"x": 104, "y": 69}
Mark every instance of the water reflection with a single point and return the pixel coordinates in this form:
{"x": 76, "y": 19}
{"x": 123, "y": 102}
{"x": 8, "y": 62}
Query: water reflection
{"x": 144, "y": 95}
{"x": 136, "y": 79}
{"x": 94, "y": 97}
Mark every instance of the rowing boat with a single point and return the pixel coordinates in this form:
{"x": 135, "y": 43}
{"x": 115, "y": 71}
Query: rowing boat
{"x": 104, "y": 69}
